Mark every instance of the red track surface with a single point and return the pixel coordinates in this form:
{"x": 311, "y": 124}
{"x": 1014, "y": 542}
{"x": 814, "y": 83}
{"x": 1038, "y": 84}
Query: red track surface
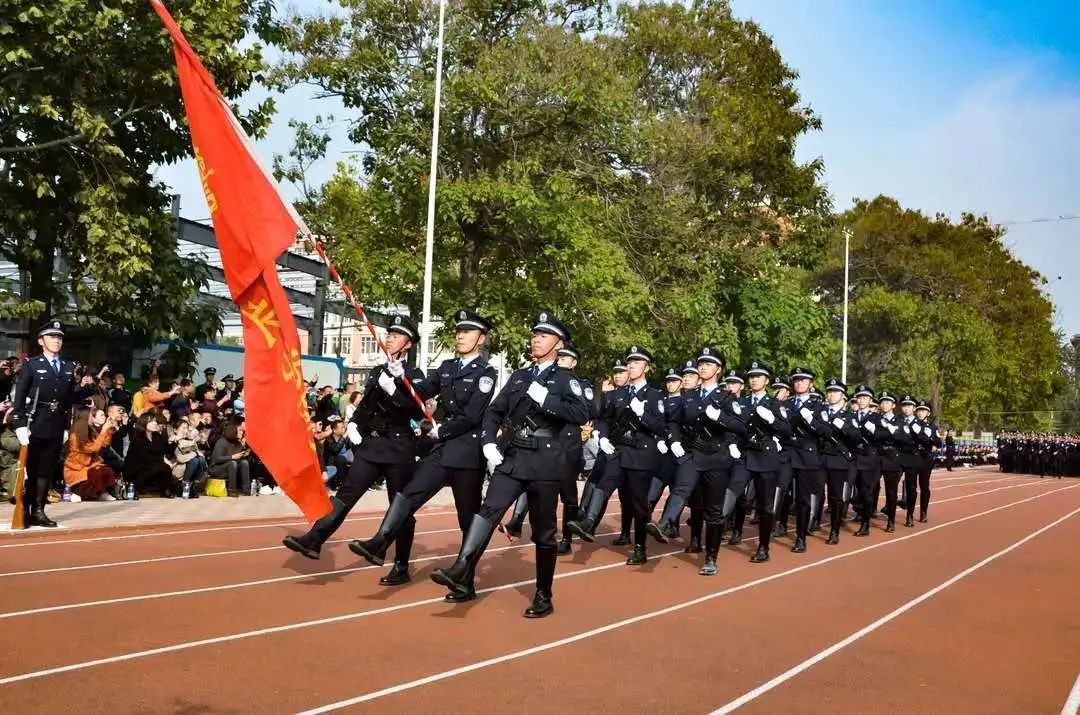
{"x": 211, "y": 619}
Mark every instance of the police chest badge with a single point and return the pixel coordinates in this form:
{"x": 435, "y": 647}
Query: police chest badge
{"x": 736, "y": 408}
{"x": 783, "y": 412}
{"x": 575, "y": 387}
{"x": 485, "y": 384}
{"x": 660, "y": 406}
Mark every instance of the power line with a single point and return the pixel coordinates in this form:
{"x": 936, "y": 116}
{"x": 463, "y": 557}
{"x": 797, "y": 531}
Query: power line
{"x": 1055, "y": 219}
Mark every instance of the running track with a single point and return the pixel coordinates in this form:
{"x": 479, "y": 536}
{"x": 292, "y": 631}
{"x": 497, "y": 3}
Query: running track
{"x": 974, "y": 611}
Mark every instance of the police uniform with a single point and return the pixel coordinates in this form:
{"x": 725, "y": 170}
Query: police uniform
{"x": 625, "y": 517}
{"x": 783, "y": 497}
{"x": 908, "y": 456}
{"x": 464, "y": 389}
{"x": 927, "y": 439}
{"x": 44, "y": 394}
{"x": 766, "y": 424}
{"x": 665, "y": 470}
{"x": 867, "y": 461}
{"x": 704, "y": 430}
{"x": 524, "y": 441}
{"x": 891, "y": 438}
{"x": 628, "y": 427}
{"x": 838, "y": 457}
{"x": 387, "y": 449}
{"x": 808, "y": 429}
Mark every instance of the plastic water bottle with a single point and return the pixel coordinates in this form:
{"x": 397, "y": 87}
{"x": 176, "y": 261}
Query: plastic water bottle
{"x": 187, "y": 491}
{"x": 254, "y": 487}
{"x": 67, "y": 493}
{"x": 129, "y": 491}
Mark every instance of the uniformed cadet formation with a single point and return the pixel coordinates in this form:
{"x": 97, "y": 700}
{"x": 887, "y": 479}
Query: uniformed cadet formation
{"x": 716, "y": 440}
{"x": 1048, "y": 455}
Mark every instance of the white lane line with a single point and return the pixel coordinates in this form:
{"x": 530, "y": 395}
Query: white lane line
{"x": 870, "y": 628}
{"x": 303, "y": 624}
{"x": 348, "y": 617}
{"x": 260, "y": 582}
{"x": 644, "y": 617}
{"x": 206, "y": 530}
{"x": 1072, "y": 704}
{"x": 970, "y": 484}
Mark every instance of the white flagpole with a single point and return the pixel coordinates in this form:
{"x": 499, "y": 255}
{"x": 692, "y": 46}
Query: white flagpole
{"x": 847, "y": 250}
{"x": 425, "y": 318}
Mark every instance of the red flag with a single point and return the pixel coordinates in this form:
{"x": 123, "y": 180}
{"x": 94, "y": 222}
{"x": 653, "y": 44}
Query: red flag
{"x": 253, "y": 226}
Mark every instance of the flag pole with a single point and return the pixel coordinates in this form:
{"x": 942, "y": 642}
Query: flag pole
{"x": 847, "y": 263}
{"x": 429, "y": 244}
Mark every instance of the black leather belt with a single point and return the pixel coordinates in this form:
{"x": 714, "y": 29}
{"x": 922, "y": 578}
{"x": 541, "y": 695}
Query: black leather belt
{"x": 530, "y": 439}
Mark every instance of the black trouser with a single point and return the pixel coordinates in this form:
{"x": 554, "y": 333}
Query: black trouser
{"x": 835, "y": 481}
{"x": 679, "y": 491}
{"x": 919, "y": 476}
{"x": 892, "y": 479}
{"x": 430, "y": 477}
{"x": 809, "y": 483}
{"x": 713, "y": 488}
{"x": 782, "y": 499}
{"x": 362, "y": 475}
{"x": 610, "y": 479}
{"x": 543, "y": 498}
{"x": 868, "y": 480}
{"x": 637, "y": 484}
{"x": 235, "y": 472}
{"x": 764, "y": 487}
{"x": 42, "y": 462}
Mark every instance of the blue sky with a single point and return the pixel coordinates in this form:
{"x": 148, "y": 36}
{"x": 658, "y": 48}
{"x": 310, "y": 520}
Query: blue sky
{"x": 948, "y": 106}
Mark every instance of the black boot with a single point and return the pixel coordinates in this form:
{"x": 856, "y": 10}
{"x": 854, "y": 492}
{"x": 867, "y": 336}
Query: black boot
{"x": 761, "y": 555}
{"x": 890, "y": 527}
{"x": 637, "y": 556}
{"x": 736, "y": 537}
{"x": 667, "y": 526}
{"x": 802, "y": 527}
{"x": 399, "y": 574}
{"x": 517, "y": 520}
{"x": 374, "y": 549}
{"x": 310, "y": 544}
{"x": 563, "y": 547}
{"x": 780, "y": 529}
{"x": 545, "y": 576}
{"x": 621, "y": 540}
{"x": 764, "y": 534}
{"x": 588, "y": 516}
{"x": 834, "y": 526}
{"x": 909, "y": 522}
{"x": 694, "y": 547}
{"x": 458, "y": 578}
{"x": 38, "y": 517}
{"x": 864, "y": 528}
{"x": 922, "y": 516}
{"x": 713, "y": 536}
{"x": 625, "y": 521}
{"x": 799, "y": 547}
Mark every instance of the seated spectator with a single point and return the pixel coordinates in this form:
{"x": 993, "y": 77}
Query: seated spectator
{"x": 335, "y": 452}
{"x": 113, "y": 454}
{"x": 119, "y": 395}
{"x": 85, "y": 472}
{"x": 146, "y": 466}
{"x": 149, "y": 396}
{"x": 190, "y": 464}
{"x": 229, "y": 461}
{"x": 9, "y": 455}
{"x": 183, "y": 400}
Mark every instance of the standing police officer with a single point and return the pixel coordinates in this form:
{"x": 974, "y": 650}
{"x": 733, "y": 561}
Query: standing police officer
{"x": 927, "y": 439}
{"x": 464, "y": 388}
{"x": 867, "y": 458}
{"x": 890, "y": 442}
{"x": 523, "y": 435}
{"x": 837, "y": 457}
{"x": 806, "y": 459}
{"x": 44, "y": 394}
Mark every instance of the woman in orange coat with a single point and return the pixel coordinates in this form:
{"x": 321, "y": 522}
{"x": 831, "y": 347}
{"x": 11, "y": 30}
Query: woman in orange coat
{"x": 84, "y": 470}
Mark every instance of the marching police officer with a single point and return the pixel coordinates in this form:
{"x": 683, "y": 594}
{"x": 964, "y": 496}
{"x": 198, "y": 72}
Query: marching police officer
{"x": 568, "y": 494}
{"x": 523, "y": 441}
{"x": 464, "y": 389}
{"x": 806, "y": 459}
{"x": 665, "y": 472}
{"x": 628, "y": 429}
{"x": 908, "y": 454}
{"x": 890, "y": 441}
{"x": 385, "y": 447}
{"x": 44, "y": 395}
{"x": 836, "y": 453}
{"x": 783, "y": 498}
{"x": 867, "y": 457}
{"x": 927, "y": 439}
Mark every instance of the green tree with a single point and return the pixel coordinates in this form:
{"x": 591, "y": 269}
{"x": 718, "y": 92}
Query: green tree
{"x": 89, "y": 106}
{"x": 942, "y": 309}
{"x": 1067, "y": 403}
{"x": 632, "y": 170}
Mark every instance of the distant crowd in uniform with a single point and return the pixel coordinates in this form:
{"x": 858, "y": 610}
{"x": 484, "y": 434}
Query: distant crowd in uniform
{"x": 725, "y": 444}
{"x": 1048, "y": 455}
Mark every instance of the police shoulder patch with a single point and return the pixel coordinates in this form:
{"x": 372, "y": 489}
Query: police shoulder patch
{"x": 660, "y": 406}
{"x": 575, "y": 387}
{"x": 588, "y": 394}
{"x": 736, "y": 408}
{"x": 783, "y": 412}
{"x": 485, "y": 384}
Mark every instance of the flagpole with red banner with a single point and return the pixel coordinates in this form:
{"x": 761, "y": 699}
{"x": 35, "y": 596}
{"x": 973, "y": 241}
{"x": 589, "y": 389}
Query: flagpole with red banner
{"x": 254, "y": 225}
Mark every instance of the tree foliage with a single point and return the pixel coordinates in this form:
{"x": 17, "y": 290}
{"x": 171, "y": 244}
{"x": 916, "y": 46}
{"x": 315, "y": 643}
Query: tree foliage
{"x": 89, "y": 106}
{"x": 1067, "y": 405}
{"x": 942, "y": 309}
{"x": 632, "y": 169}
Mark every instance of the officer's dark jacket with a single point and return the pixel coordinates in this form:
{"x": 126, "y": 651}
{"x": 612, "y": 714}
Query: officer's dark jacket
{"x": 803, "y": 444}
{"x": 705, "y": 441}
{"x": 633, "y": 437}
{"x": 761, "y": 450}
{"x": 844, "y": 435}
{"x": 464, "y": 394}
{"x": 54, "y": 395}
{"x": 542, "y": 451}
{"x": 385, "y": 421}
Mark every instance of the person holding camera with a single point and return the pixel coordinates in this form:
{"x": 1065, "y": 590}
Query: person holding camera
{"x": 85, "y": 471}
{"x": 229, "y": 460}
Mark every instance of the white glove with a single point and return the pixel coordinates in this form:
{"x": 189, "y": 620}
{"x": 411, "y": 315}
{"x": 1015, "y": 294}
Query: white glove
{"x": 870, "y": 427}
{"x": 353, "y": 433}
{"x": 917, "y": 429}
{"x": 537, "y": 393}
{"x": 891, "y": 427}
{"x": 492, "y": 455}
{"x": 637, "y": 406}
{"x": 733, "y": 450}
{"x": 807, "y": 415}
{"x": 677, "y": 450}
{"x": 765, "y": 413}
{"x": 386, "y": 382}
{"x": 395, "y": 368}
{"x": 838, "y": 422}
{"x": 713, "y": 413}
{"x": 434, "y": 433}
{"x": 380, "y": 358}
{"x": 606, "y": 446}
{"x": 23, "y": 433}
{"x": 661, "y": 447}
